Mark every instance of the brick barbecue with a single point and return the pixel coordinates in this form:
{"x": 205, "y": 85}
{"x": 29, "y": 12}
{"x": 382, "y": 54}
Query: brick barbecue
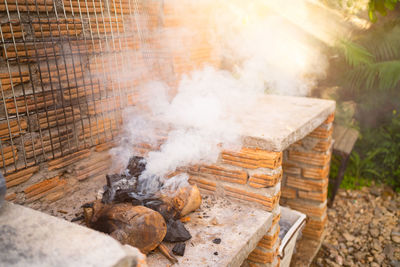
{"x": 63, "y": 96}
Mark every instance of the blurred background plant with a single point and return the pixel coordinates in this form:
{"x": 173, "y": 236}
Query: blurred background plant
{"x": 364, "y": 73}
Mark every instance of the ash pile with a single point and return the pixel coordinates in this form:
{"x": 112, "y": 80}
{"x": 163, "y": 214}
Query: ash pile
{"x": 144, "y": 211}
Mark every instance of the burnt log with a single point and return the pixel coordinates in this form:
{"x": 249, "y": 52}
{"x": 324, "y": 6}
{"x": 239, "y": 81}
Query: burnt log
{"x": 137, "y": 226}
{"x": 185, "y": 200}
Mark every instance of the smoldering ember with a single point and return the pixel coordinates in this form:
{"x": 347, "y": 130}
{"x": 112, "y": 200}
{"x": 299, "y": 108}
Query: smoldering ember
{"x": 151, "y": 216}
{"x": 199, "y": 133}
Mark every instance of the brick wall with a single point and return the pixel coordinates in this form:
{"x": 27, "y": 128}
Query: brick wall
{"x": 68, "y": 69}
{"x": 305, "y": 177}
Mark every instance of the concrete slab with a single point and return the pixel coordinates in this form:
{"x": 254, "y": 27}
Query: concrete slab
{"x": 239, "y": 226}
{"x": 32, "y": 238}
{"x": 279, "y": 121}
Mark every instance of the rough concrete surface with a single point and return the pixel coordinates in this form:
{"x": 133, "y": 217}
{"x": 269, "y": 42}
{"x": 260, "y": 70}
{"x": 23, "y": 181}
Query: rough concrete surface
{"x": 239, "y": 226}
{"x": 32, "y": 238}
{"x": 279, "y": 121}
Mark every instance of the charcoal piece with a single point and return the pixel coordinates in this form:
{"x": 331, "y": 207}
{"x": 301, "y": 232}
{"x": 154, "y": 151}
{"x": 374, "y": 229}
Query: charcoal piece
{"x": 176, "y": 232}
{"x": 149, "y": 186}
{"x": 179, "y": 249}
{"x": 113, "y": 178}
{"x": 136, "y": 166}
{"x": 217, "y": 241}
{"x": 216, "y": 253}
{"x": 125, "y": 195}
{"x": 118, "y": 186}
{"x": 108, "y": 195}
{"x": 167, "y": 211}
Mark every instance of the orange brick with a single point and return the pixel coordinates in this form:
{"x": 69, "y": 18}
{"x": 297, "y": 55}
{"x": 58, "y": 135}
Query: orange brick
{"x": 323, "y": 146}
{"x": 253, "y": 158}
{"x": 330, "y": 118}
{"x": 306, "y": 184}
{"x": 292, "y": 169}
{"x": 268, "y": 241}
{"x": 58, "y": 117}
{"x": 54, "y": 196}
{"x": 16, "y": 78}
{"x": 67, "y": 160}
{"x": 12, "y": 31}
{"x": 242, "y": 194}
{"x": 18, "y": 180}
{"x": 33, "y": 6}
{"x": 43, "y": 188}
{"x": 80, "y": 6}
{"x": 92, "y": 168}
{"x": 321, "y": 133}
{"x": 203, "y": 183}
{"x": 276, "y": 219}
{"x": 20, "y": 176}
{"x": 15, "y": 128}
{"x": 39, "y": 187}
{"x": 312, "y": 210}
{"x": 10, "y": 196}
{"x": 262, "y": 180}
{"x": 30, "y": 52}
{"x": 288, "y": 192}
{"x": 312, "y": 234}
{"x": 317, "y": 196}
{"x": 316, "y": 173}
{"x": 310, "y": 158}
{"x": 262, "y": 255}
{"x": 30, "y": 102}
{"x": 225, "y": 174}
{"x": 317, "y": 224}
{"x": 105, "y": 146}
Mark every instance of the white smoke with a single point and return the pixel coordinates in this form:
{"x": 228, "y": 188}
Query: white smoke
{"x": 261, "y": 53}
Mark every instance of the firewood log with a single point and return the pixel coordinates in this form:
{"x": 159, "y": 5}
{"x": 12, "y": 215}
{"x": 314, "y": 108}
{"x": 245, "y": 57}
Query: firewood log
{"x": 137, "y": 226}
{"x": 186, "y": 200}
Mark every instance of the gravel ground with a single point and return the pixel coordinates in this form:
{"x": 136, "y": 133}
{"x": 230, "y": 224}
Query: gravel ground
{"x": 363, "y": 229}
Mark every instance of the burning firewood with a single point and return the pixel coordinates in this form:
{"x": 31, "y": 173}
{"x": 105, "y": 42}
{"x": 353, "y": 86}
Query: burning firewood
{"x": 140, "y": 216}
{"x": 137, "y": 226}
{"x": 186, "y": 200}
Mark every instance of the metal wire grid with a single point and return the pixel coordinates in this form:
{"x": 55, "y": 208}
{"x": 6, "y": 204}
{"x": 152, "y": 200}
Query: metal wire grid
{"x": 52, "y": 50}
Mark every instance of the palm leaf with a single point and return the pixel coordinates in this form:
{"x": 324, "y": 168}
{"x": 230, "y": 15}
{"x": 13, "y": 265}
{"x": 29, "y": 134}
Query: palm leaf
{"x": 384, "y": 43}
{"x": 355, "y": 54}
{"x": 381, "y": 76}
{"x": 389, "y": 74}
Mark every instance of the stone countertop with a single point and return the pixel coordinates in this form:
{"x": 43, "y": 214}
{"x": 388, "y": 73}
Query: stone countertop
{"x": 239, "y": 226}
{"x": 279, "y": 121}
{"x": 33, "y": 238}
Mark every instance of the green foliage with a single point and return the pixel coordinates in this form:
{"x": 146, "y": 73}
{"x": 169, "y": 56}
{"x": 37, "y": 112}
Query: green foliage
{"x": 354, "y": 53}
{"x": 380, "y": 6}
{"x": 355, "y": 176}
{"x": 380, "y": 76}
{"x": 384, "y": 141}
{"x": 375, "y": 158}
{"x": 373, "y": 59}
{"x": 384, "y": 41}
{"x": 367, "y": 72}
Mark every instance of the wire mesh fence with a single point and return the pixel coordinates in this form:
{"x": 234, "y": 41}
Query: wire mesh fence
{"x": 68, "y": 69}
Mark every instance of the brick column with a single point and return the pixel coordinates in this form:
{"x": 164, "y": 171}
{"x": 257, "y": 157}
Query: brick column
{"x": 266, "y": 252}
{"x": 250, "y": 175}
{"x": 305, "y": 177}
